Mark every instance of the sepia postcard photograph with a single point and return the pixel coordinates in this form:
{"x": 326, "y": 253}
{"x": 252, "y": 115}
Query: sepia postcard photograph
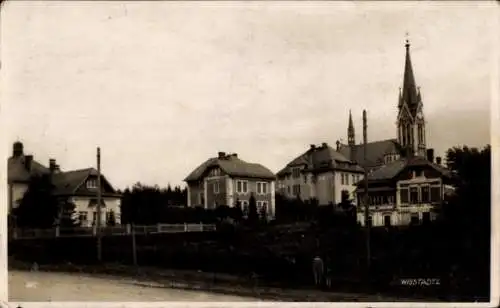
{"x": 253, "y": 152}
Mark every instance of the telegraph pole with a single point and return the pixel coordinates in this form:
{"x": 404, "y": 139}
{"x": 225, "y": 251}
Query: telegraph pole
{"x": 99, "y": 202}
{"x": 367, "y": 210}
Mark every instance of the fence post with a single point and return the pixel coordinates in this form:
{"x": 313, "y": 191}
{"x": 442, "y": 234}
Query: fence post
{"x": 158, "y": 228}
{"x": 94, "y": 230}
{"x": 185, "y": 227}
{"x": 128, "y": 229}
{"x": 201, "y": 226}
{"x": 58, "y": 231}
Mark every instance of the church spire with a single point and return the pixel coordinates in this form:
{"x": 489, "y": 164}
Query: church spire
{"x": 409, "y": 92}
{"x": 350, "y": 132}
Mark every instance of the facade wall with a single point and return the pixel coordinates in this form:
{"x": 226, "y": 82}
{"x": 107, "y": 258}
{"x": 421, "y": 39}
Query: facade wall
{"x": 216, "y": 191}
{"x": 16, "y": 193}
{"x": 326, "y": 187}
{"x": 401, "y": 212}
{"x": 228, "y": 194}
{"x": 195, "y": 194}
{"x": 82, "y": 210}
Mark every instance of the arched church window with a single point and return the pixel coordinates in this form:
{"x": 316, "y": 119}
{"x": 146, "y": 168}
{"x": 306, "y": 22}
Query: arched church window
{"x": 420, "y": 134}
{"x": 408, "y": 134}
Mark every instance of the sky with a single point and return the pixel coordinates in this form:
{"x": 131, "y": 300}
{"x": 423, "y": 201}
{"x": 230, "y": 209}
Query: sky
{"x": 162, "y": 86}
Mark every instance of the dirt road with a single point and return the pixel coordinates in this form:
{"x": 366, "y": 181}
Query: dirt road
{"x": 45, "y": 286}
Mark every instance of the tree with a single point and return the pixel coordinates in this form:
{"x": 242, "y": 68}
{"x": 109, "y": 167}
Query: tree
{"x": 111, "y": 219}
{"x": 67, "y": 216}
{"x": 466, "y": 215}
{"x": 237, "y": 211}
{"x": 38, "y": 207}
{"x": 253, "y": 215}
{"x": 470, "y": 205}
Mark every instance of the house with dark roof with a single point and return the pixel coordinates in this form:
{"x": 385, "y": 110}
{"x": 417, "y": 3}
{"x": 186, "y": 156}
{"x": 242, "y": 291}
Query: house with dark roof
{"x": 404, "y": 191}
{"x": 320, "y": 173}
{"x": 229, "y": 180}
{"x": 76, "y": 186}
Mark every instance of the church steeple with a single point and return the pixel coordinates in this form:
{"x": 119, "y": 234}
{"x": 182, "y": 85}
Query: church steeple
{"x": 350, "y": 132}
{"x": 411, "y": 123}
{"x": 409, "y": 94}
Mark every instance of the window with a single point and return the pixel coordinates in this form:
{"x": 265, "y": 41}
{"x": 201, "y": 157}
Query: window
{"x": 420, "y": 134}
{"x": 347, "y": 179}
{"x": 242, "y": 187}
{"x": 353, "y": 179}
{"x": 288, "y": 189}
{"x": 296, "y": 190}
{"x": 94, "y": 218}
{"x": 82, "y": 217}
{"x": 296, "y": 173}
{"x": 403, "y": 194}
{"x": 342, "y": 181}
{"x": 413, "y": 195}
{"x": 435, "y": 194}
{"x": 387, "y": 220}
{"x": 261, "y": 188}
{"x": 216, "y": 187}
{"x": 305, "y": 178}
{"x": 370, "y": 221}
{"x": 201, "y": 199}
{"x": 92, "y": 183}
{"x": 424, "y": 194}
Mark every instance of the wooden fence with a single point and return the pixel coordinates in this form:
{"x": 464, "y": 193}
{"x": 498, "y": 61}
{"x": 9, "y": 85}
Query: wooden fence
{"x": 19, "y": 233}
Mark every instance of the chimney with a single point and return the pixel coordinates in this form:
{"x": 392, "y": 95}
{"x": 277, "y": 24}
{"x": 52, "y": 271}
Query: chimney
{"x": 235, "y": 155}
{"x": 52, "y": 165}
{"x": 430, "y": 155}
{"x": 338, "y": 144}
{"x": 222, "y": 155}
{"x": 312, "y": 146}
{"x": 28, "y": 159}
{"x": 17, "y": 149}
{"x": 438, "y": 160}
{"x": 324, "y": 145}
{"x": 57, "y": 168}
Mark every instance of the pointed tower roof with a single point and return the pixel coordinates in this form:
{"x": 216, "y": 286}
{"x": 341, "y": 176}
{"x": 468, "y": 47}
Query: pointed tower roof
{"x": 350, "y": 131}
{"x": 409, "y": 93}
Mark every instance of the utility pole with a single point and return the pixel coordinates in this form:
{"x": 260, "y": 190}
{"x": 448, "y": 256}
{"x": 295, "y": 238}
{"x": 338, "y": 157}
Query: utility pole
{"x": 99, "y": 202}
{"x": 367, "y": 210}
{"x": 134, "y": 247}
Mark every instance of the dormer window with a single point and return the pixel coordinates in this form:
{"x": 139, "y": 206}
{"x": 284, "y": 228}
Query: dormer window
{"x": 296, "y": 173}
{"x": 92, "y": 183}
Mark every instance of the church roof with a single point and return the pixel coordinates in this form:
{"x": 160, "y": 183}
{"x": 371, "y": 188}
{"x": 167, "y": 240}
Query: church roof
{"x": 375, "y": 152}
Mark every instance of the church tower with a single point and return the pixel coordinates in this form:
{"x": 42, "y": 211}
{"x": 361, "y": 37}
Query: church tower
{"x": 410, "y": 121}
{"x": 351, "y": 138}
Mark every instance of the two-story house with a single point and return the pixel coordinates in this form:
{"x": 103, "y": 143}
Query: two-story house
{"x": 76, "y": 186}
{"x": 408, "y": 190}
{"x": 320, "y": 173}
{"x": 229, "y": 180}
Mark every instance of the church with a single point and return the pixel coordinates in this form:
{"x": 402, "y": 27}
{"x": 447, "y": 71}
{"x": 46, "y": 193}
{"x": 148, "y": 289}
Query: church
{"x": 410, "y": 130}
{"x": 405, "y": 184}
